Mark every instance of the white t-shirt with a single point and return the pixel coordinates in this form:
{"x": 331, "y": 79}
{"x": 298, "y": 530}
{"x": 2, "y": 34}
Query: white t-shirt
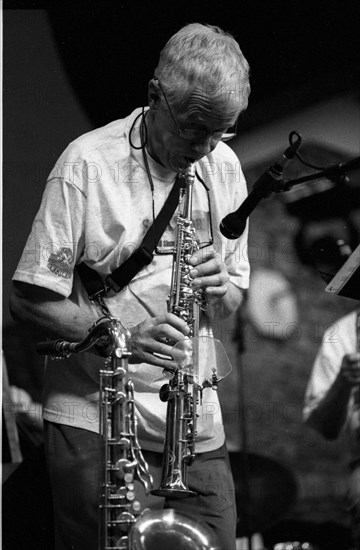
{"x": 339, "y": 339}
{"x": 96, "y": 208}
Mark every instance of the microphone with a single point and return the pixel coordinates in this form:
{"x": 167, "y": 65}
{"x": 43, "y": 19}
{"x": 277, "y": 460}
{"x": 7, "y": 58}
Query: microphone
{"x": 233, "y": 225}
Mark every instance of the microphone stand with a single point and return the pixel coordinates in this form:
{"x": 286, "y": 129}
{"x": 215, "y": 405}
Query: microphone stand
{"x": 333, "y": 173}
{"x": 244, "y": 455}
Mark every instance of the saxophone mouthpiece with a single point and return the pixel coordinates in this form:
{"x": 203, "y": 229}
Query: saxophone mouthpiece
{"x": 189, "y": 171}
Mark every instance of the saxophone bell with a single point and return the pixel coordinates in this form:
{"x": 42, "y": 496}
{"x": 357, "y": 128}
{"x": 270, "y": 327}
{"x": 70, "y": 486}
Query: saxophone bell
{"x": 169, "y": 529}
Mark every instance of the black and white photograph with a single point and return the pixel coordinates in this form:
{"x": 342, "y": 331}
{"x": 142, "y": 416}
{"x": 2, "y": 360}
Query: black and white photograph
{"x": 180, "y": 275}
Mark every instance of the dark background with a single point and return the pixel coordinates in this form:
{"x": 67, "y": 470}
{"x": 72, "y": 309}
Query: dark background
{"x": 305, "y": 50}
{"x": 110, "y": 53}
{"x": 70, "y": 68}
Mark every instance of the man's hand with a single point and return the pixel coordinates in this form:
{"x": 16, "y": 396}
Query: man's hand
{"x": 156, "y": 336}
{"x": 209, "y": 273}
{"x": 350, "y": 368}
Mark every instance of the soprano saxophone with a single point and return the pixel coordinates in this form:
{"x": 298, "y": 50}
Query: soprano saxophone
{"x": 182, "y": 392}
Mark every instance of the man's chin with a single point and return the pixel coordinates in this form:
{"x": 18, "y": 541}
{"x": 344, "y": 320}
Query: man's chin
{"x": 180, "y": 164}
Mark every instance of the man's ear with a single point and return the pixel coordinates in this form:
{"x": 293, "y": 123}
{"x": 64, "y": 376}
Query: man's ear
{"x": 154, "y": 94}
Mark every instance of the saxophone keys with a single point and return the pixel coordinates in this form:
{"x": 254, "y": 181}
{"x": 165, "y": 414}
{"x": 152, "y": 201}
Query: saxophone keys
{"x": 165, "y": 393}
{"x": 129, "y": 477}
{"x": 130, "y": 495}
{"x": 136, "y": 506}
{"x": 125, "y": 468}
{"x": 124, "y": 442}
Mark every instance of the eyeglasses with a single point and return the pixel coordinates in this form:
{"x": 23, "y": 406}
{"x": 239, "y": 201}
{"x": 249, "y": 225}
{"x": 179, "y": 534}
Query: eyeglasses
{"x": 198, "y": 133}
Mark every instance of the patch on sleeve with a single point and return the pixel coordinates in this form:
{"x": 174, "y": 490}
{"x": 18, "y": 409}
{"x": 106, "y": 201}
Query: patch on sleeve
{"x": 60, "y": 262}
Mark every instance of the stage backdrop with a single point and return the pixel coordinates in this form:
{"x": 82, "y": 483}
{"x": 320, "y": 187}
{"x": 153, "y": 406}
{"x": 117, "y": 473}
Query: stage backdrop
{"x": 63, "y": 75}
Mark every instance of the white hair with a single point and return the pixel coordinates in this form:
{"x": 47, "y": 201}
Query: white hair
{"x": 207, "y": 59}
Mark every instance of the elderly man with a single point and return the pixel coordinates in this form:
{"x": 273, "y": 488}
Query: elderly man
{"x": 103, "y": 194}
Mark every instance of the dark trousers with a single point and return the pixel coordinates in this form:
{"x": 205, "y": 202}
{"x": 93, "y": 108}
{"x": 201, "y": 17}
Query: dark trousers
{"x": 354, "y": 503}
{"x": 73, "y": 461}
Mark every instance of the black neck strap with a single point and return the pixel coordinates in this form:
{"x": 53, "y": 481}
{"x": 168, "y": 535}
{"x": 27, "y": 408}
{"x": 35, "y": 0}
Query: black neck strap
{"x": 144, "y": 254}
{"x": 118, "y": 279}
{"x": 94, "y": 284}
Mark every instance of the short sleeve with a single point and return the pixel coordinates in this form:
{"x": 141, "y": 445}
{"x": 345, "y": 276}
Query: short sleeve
{"x": 56, "y": 239}
{"x": 336, "y": 342}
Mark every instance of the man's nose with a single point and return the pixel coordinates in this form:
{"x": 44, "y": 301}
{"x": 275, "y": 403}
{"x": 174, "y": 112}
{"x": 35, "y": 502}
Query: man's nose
{"x": 203, "y": 146}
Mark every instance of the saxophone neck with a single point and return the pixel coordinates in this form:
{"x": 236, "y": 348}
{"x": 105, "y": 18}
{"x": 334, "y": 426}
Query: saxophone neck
{"x": 189, "y": 175}
{"x": 186, "y": 196}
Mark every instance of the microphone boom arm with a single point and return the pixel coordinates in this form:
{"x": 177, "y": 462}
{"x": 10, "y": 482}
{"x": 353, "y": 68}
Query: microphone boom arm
{"x": 331, "y": 172}
{"x": 233, "y": 225}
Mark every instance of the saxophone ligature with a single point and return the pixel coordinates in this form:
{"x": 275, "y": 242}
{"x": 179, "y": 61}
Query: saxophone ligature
{"x": 183, "y": 390}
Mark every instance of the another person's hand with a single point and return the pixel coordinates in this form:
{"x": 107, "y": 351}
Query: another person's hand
{"x": 350, "y": 368}
{"x": 22, "y": 404}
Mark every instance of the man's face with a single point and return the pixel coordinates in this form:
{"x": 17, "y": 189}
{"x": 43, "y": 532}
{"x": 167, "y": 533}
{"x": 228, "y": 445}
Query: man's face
{"x": 185, "y": 135}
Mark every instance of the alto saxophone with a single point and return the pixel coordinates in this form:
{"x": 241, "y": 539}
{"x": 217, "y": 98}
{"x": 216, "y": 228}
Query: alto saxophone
{"x": 182, "y": 391}
{"x": 122, "y": 461}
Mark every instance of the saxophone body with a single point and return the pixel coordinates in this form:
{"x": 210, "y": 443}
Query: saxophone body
{"x": 122, "y": 462}
{"x": 185, "y": 301}
{"x": 182, "y": 391}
